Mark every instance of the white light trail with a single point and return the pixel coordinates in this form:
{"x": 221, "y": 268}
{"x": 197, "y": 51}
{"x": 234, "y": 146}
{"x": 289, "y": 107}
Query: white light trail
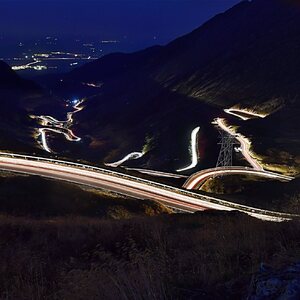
{"x": 245, "y": 144}
{"x": 157, "y": 173}
{"x": 197, "y": 179}
{"x": 27, "y": 66}
{"x": 94, "y": 85}
{"x": 128, "y": 185}
{"x": 44, "y": 140}
{"x": 241, "y": 113}
{"x": 60, "y": 127}
{"x": 130, "y": 156}
{"x": 194, "y": 149}
{"x": 69, "y": 135}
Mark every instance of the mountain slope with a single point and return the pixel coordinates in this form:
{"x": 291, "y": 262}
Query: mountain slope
{"x": 276, "y": 138}
{"x": 247, "y": 56}
{"x": 19, "y": 98}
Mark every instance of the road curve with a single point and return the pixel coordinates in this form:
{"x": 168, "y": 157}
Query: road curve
{"x": 56, "y": 126}
{"x": 245, "y": 144}
{"x": 244, "y": 114}
{"x": 127, "y": 185}
{"x": 194, "y": 151}
{"x": 196, "y": 180}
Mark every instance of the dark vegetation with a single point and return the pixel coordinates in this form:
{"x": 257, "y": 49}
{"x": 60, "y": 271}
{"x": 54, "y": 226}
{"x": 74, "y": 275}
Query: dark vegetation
{"x": 271, "y": 195}
{"x": 58, "y": 241}
{"x": 201, "y": 256}
{"x": 277, "y": 137}
{"x": 32, "y": 196}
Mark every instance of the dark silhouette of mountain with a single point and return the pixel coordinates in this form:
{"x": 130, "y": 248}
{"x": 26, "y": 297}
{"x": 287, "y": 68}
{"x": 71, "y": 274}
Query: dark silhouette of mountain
{"x": 7, "y": 76}
{"x": 247, "y": 55}
{"x": 9, "y": 80}
{"x": 19, "y": 98}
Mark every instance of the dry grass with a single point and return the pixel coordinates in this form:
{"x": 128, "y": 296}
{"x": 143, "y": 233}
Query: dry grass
{"x": 203, "y": 256}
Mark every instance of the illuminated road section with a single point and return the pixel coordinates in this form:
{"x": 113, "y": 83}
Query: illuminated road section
{"x": 245, "y": 144}
{"x": 198, "y": 179}
{"x": 56, "y": 126}
{"x": 157, "y": 173}
{"x": 130, "y": 156}
{"x": 93, "y": 85}
{"x": 243, "y": 114}
{"x": 69, "y": 135}
{"x": 194, "y": 150}
{"x": 128, "y": 185}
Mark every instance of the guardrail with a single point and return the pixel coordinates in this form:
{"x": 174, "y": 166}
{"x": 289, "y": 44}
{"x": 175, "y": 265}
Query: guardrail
{"x": 237, "y": 169}
{"x": 220, "y": 202}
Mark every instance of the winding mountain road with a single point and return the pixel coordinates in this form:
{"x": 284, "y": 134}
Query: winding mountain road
{"x": 127, "y": 185}
{"x": 59, "y": 127}
{"x": 196, "y": 180}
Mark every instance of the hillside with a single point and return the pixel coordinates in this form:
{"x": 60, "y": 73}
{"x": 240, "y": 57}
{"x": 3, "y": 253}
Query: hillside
{"x": 36, "y": 197}
{"x": 246, "y": 190}
{"x": 277, "y": 138}
{"x": 171, "y": 257}
{"x": 247, "y": 56}
{"x": 19, "y": 98}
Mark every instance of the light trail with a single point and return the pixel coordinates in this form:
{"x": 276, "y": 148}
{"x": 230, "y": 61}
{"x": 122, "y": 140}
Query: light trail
{"x": 70, "y": 58}
{"x": 128, "y": 185}
{"x": 157, "y": 173}
{"x": 194, "y": 149}
{"x": 77, "y": 108}
{"x": 27, "y": 66}
{"x": 245, "y": 144}
{"x": 50, "y": 121}
{"x": 244, "y": 114}
{"x": 130, "y": 156}
{"x": 61, "y": 127}
{"x": 196, "y": 180}
{"x": 69, "y": 135}
{"x": 94, "y": 85}
{"x": 44, "y": 140}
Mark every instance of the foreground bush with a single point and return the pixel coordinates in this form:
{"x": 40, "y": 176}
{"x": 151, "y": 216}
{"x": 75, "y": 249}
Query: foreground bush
{"x": 200, "y": 256}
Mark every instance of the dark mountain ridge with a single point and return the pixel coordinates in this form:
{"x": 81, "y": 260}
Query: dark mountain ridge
{"x": 246, "y": 55}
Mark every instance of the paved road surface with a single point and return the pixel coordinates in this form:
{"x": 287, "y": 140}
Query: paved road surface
{"x": 128, "y": 185}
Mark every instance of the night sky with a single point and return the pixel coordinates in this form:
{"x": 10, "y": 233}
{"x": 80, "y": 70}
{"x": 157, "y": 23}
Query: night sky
{"x": 143, "y": 21}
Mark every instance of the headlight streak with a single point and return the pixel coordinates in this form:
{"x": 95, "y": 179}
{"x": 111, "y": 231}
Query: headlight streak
{"x": 130, "y": 156}
{"x": 194, "y": 149}
{"x": 126, "y": 184}
{"x": 61, "y": 127}
{"x": 245, "y": 144}
{"x": 240, "y": 113}
{"x": 196, "y": 180}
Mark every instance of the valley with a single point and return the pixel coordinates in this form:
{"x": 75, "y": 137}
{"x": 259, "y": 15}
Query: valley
{"x": 149, "y": 150}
